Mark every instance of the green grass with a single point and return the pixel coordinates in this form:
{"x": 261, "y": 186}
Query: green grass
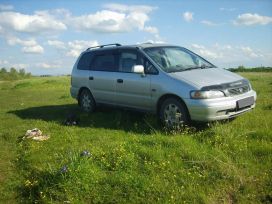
{"x": 132, "y": 159}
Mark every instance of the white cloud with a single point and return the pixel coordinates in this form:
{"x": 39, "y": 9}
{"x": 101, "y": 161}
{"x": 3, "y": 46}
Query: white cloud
{"x": 249, "y": 52}
{"x": 227, "y": 47}
{"x": 222, "y": 47}
{"x": 252, "y": 19}
{"x": 228, "y": 9}
{"x": 101, "y": 21}
{"x": 129, "y": 8}
{"x": 3, "y": 62}
{"x": 81, "y": 44}
{"x": 72, "y": 48}
{"x": 77, "y": 46}
{"x": 232, "y": 55}
{"x": 153, "y": 42}
{"x": 40, "y": 22}
{"x": 29, "y": 46}
{"x": 7, "y": 64}
{"x": 57, "y": 44}
{"x": 210, "y": 54}
{"x": 73, "y": 53}
{"x": 48, "y": 65}
{"x": 196, "y": 46}
{"x": 59, "y": 13}
{"x": 115, "y": 18}
{"x": 151, "y": 29}
{"x": 106, "y": 21}
{"x": 188, "y": 16}
{"x": 36, "y": 49}
{"x": 6, "y": 7}
{"x": 19, "y": 65}
{"x": 208, "y": 23}
{"x": 15, "y": 41}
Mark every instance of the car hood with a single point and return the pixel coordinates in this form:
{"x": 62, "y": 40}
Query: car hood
{"x": 206, "y": 77}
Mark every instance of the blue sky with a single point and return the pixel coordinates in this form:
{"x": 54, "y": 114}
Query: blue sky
{"x": 45, "y": 37}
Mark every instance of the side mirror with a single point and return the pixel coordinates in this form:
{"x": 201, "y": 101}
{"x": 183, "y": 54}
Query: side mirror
{"x": 138, "y": 69}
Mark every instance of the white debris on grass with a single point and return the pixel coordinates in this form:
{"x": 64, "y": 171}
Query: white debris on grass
{"x": 35, "y": 134}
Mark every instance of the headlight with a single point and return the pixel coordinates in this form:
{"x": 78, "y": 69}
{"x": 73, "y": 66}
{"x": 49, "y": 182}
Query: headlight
{"x": 206, "y": 94}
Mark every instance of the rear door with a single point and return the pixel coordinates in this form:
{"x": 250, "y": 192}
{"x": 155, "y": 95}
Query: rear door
{"x": 81, "y": 72}
{"x": 132, "y": 89}
{"x": 103, "y": 76}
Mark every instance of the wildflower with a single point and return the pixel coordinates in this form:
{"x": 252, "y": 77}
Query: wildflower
{"x": 64, "y": 169}
{"x": 28, "y": 183}
{"x": 85, "y": 153}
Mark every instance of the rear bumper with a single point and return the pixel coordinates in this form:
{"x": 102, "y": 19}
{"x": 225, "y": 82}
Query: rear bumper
{"x": 74, "y": 92}
{"x": 218, "y": 109}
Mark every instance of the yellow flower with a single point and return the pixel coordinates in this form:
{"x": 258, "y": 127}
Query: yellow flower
{"x": 27, "y": 183}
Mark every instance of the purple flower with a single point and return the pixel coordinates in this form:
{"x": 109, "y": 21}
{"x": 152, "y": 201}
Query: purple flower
{"x": 64, "y": 169}
{"x": 85, "y": 153}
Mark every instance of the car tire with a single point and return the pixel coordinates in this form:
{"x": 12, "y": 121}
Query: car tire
{"x": 86, "y": 101}
{"x": 173, "y": 113}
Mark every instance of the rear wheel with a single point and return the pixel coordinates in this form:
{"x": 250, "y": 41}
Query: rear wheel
{"x": 173, "y": 113}
{"x": 86, "y": 101}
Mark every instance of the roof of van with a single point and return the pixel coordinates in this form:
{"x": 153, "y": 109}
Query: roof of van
{"x": 116, "y": 45}
{"x": 147, "y": 45}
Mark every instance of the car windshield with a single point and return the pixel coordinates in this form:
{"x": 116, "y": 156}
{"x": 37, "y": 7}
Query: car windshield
{"x": 176, "y": 59}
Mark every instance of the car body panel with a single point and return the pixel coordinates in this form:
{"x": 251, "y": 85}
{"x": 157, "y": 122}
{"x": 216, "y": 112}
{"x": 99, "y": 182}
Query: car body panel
{"x": 103, "y": 86}
{"x": 134, "y": 91}
{"x": 206, "y": 77}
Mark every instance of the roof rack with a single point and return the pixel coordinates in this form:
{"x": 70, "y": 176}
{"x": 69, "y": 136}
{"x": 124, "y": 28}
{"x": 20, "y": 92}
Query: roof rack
{"x": 101, "y": 46}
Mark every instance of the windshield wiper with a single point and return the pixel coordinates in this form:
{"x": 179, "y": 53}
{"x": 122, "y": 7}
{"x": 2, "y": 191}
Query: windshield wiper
{"x": 187, "y": 68}
{"x": 198, "y": 67}
{"x": 176, "y": 68}
{"x": 190, "y": 68}
{"x": 205, "y": 66}
{"x": 181, "y": 70}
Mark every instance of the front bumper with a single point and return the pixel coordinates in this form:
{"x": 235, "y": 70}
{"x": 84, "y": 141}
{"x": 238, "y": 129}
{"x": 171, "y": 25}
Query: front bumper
{"x": 218, "y": 109}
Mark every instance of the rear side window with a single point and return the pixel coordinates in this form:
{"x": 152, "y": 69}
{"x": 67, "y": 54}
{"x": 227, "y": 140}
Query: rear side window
{"x": 105, "y": 62}
{"x": 84, "y": 62}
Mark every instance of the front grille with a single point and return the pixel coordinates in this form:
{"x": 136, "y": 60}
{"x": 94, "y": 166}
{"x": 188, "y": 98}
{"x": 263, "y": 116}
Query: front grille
{"x": 238, "y": 90}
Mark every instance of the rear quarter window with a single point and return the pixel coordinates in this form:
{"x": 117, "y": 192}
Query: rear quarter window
{"x": 84, "y": 62}
{"x": 105, "y": 62}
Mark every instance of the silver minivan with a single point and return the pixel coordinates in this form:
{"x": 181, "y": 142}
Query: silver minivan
{"x": 170, "y": 81}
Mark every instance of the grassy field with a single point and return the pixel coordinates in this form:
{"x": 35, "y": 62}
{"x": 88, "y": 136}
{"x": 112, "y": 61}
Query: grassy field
{"x": 132, "y": 159}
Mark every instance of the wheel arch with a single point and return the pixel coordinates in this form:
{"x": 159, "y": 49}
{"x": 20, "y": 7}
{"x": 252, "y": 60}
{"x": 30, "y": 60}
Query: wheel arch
{"x": 166, "y": 96}
{"x": 80, "y": 91}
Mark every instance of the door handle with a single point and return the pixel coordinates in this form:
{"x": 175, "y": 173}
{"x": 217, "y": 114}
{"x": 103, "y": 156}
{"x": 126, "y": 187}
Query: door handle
{"x": 91, "y": 78}
{"x": 120, "y": 81}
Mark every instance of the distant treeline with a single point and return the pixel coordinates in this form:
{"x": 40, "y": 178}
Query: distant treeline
{"x": 13, "y": 74}
{"x": 255, "y": 69}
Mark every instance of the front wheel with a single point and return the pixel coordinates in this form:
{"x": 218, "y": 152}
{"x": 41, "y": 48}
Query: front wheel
{"x": 173, "y": 113}
{"x": 86, "y": 101}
